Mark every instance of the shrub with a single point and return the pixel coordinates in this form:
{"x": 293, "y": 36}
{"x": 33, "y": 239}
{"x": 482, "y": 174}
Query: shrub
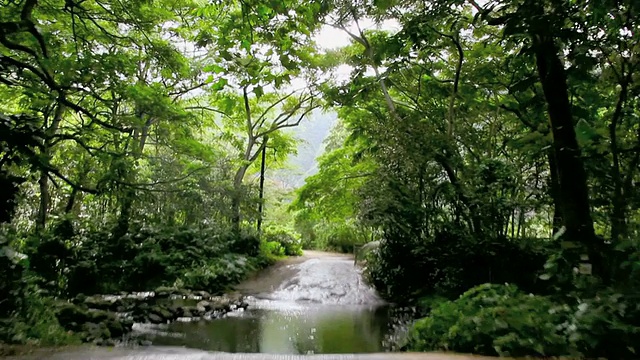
{"x": 26, "y": 315}
{"x": 450, "y": 263}
{"x": 36, "y": 323}
{"x": 217, "y": 275}
{"x": 289, "y": 242}
{"x": 606, "y": 326}
{"x": 501, "y": 320}
{"x": 274, "y": 248}
{"x": 494, "y": 320}
{"x": 340, "y": 237}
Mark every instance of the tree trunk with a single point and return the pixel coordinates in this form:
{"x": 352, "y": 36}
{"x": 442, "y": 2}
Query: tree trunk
{"x": 574, "y": 192}
{"x": 618, "y": 213}
{"x": 554, "y": 191}
{"x": 236, "y": 198}
{"x": 262, "y": 170}
{"x": 126, "y": 208}
{"x": 473, "y": 216}
{"x": 43, "y": 182}
{"x": 43, "y": 208}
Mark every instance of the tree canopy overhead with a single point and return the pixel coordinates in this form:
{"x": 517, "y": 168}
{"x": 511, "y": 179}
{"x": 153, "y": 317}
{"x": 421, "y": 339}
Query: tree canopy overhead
{"x": 480, "y": 141}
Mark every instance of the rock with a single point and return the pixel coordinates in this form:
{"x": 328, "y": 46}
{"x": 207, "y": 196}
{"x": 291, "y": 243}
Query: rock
{"x": 145, "y": 343}
{"x": 219, "y": 303}
{"x": 187, "y": 312}
{"x": 156, "y": 319}
{"x": 98, "y": 302}
{"x": 104, "y": 342}
{"x": 140, "y": 318}
{"x": 70, "y": 316}
{"x": 203, "y": 294}
{"x": 95, "y": 331}
{"x": 127, "y": 324}
{"x": 97, "y": 316}
{"x": 122, "y": 305}
{"x": 175, "y": 309}
{"x": 163, "y": 292}
{"x": 162, "y": 312}
{"x": 204, "y": 306}
{"x": 79, "y": 299}
{"x": 116, "y": 328}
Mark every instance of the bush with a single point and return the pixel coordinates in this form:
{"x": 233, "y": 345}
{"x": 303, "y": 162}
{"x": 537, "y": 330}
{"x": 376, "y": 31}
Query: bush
{"x": 217, "y": 275}
{"x": 35, "y": 323}
{"x": 340, "y": 237}
{"x": 273, "y": 248}
{"x": 97, "y": 261}
{"x": 289, "y": 242}
{"x": 450, "y": 263}
{"x": 501, "y": 320}
{"x": 606, "y": 326}
{"x": 494, "y": 320}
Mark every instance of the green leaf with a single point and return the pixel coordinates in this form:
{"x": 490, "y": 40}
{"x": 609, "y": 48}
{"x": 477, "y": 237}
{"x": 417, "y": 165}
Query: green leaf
{"x": 214, "y": 68}
{"x": 245, "y": 44}
{"x": 220, "y": 84}
{"x": 259, "y": 91}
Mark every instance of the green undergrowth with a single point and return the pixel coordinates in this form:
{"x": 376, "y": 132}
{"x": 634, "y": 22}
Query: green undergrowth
{"x": 501, "y": 320}
{"x": 98, "y": 262}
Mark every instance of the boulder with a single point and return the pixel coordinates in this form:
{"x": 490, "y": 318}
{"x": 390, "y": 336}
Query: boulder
{"x": 116, "y": 328}
{"x": 127, "y": 324}
{"x": 156, "y": 319}
{"x": 203, "y": 294}
{"x": 71, "y": 316}
{"x": 204, "y": 306}
{"x": 123, "y": 305}
{"x": 92, "y": 331}
{"x": 98, "y": 302}
{"x": 105, "y": 342}
{"x": 219, "y": 303}
{"x": 79, "y": 299}
{"x": 187, "y": 311}
{"x": 97, "y": 316}
{"x": 163, "y": 292}
{"x": 162, "y": 312}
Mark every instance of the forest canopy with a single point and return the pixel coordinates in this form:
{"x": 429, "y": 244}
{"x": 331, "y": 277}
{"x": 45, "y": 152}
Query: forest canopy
{"x": 478, "y": 142}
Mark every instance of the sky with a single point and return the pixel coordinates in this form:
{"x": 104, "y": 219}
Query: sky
{"x": 330, "y": 38}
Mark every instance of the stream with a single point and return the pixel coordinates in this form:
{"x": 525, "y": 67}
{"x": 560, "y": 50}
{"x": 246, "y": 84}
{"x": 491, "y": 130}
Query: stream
{"x": 318, "y": 304}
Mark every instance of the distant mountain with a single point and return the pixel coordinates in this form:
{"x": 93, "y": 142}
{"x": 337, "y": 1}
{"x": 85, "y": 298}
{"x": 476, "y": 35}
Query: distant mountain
{"x": 311, "y": 132}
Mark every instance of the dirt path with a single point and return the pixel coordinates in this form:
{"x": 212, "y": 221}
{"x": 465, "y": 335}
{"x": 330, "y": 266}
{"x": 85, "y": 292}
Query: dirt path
{"x": 269, "y": 279}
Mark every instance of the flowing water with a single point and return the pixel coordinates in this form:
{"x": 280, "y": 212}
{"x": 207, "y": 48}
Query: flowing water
{"x": 322, "y": 307}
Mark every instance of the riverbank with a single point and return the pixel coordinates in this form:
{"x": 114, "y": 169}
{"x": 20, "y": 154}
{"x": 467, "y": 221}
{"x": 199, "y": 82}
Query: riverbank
{"x": 313, "y": 304}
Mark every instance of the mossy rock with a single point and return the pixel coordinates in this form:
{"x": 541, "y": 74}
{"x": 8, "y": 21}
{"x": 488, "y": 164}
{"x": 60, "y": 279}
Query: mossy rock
{"x": 98, "y": 302}
{"x": 116, "y": 328}
{"x": 162, "y": 312}
{"x": 97, "y": 316}
{"x": 71, "y": 316}
{"x": 92, "y": 331}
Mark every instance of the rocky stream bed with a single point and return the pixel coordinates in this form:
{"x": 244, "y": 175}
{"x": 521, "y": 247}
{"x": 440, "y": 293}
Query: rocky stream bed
{"x": 108, "y": 320}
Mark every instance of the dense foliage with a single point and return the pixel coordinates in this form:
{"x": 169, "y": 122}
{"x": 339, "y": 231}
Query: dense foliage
{"x": 130, "y": 142}
{"x": 501, "y": 320}
{"x": 478, "y": 142}
{"x": 490, "y": 142}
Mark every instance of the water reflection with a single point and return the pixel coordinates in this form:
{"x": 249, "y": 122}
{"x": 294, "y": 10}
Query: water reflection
{"x": 294, "y": 330}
